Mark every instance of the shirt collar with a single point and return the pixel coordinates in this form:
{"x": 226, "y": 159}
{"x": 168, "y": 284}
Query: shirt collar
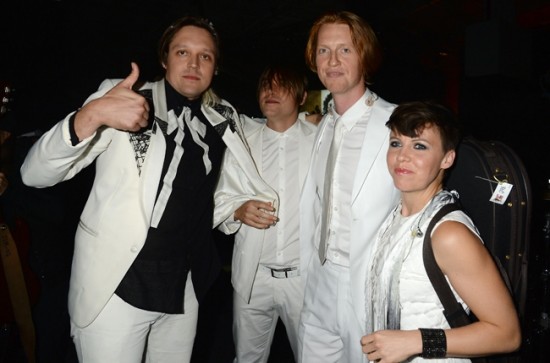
{"x": 291, "y": 131}
{"x": 350, "y": 117}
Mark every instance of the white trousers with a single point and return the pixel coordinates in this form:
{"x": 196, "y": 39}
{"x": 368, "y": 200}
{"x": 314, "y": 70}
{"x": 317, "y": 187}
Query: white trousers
{"x": 329, "y": 328}
{"x": 254, "y": 323}
{"x": 125, "y": 334}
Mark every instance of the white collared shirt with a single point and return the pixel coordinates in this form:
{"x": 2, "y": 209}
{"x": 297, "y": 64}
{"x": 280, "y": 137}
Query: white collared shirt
{"x": 280, "y": 170}
{"x": 354, "y": 124}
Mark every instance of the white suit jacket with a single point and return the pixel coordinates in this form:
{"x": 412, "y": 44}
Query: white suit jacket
{"x": 373, "y": 197}
{"x": 235, "y": 188}
{"x": 117, "y": 215}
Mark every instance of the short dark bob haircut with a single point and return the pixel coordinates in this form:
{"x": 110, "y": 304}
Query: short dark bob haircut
{"x": 411, "y": 118}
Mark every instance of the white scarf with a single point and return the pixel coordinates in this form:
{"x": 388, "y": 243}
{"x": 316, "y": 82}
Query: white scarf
{"x": 393, "y": 243}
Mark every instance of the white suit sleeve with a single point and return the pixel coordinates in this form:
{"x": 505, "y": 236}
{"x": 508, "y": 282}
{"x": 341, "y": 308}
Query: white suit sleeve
{"x": 239, "y": 182}
{"x": 53, "y": 158}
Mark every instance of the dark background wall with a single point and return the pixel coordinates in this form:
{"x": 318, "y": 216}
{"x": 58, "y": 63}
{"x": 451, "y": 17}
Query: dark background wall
{"x": 56, "y": 52}
{"x": 489, "y": 60}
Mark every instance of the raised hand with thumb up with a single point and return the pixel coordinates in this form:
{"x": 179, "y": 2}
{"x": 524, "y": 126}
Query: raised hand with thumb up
{"x": 120, "y": 108}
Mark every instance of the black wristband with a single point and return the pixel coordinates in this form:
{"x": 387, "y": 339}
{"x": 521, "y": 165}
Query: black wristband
{"x": 434, "y": 343}
{"x": 72, "y": 132}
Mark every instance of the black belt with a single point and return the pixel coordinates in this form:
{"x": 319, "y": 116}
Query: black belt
{"x": 283, "y": 273}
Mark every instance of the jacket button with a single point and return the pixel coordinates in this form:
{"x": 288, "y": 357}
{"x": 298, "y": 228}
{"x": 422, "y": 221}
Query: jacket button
{"x": 134, "y": 249}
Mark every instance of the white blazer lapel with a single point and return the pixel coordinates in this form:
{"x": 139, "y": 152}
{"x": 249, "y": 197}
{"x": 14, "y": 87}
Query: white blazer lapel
{"x": 154, "y": 160}
{"x": 305, "y": 151}
{"x": 159, "y": 99}
{"x": 231, "y": 138}
{"x": 378, "y": 134}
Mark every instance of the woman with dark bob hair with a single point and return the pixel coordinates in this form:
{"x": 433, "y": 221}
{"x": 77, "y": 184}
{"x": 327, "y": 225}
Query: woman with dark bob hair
{"x": 405, "y": 320}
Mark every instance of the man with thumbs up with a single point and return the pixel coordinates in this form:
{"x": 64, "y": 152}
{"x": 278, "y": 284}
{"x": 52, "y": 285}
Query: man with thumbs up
{"x": 143, "y": 251}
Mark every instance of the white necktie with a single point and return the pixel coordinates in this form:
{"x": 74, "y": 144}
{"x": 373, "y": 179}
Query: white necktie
{"x": 327, "y": 191}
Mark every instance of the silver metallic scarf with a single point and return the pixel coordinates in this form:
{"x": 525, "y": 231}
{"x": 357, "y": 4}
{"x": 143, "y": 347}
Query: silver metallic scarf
{"x": 393, "y": 243}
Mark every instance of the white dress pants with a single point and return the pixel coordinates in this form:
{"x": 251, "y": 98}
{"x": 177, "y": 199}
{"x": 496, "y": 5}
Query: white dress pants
{"x": 124, "y": 334}
{"x": 254, "y": 323}
{"x": 329, "y": 329}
